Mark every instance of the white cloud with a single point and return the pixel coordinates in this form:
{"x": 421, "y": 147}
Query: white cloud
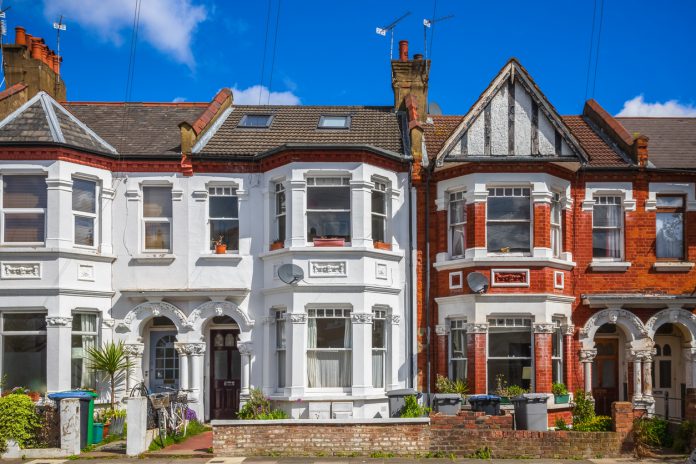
{"x": 179, "y": 100}
{"x": 250, "y": 96}
{"x": 639, "y": 107}
{"x": 167, "y": 25}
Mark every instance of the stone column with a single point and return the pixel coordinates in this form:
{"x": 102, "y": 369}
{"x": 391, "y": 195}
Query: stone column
{"x": 361, "y": 208}
{"x": 246, "y": 349}
{"x": 647, "y": 375}
{"x": 637, "y": 359}
{"x": 543, "y": 351}
{"x": 107, "y": 200}
{"x": 296, "y": 367}
{"x": 70, "y": 426}
{"x": 59, "y": 222}
{"x": 568, "y": 365}
{"x": 392, "y": 383}
{"x": 586, "y": 358}
{"x": 689, "y": 360}
{"x": 476, "y": 357}
{"x": 295, "y": 213}
{"x": 182, "y": 349}
{"x": 362, "y": 353}
{"x": 58, "y": 353}
{"x": 134, "y": 352}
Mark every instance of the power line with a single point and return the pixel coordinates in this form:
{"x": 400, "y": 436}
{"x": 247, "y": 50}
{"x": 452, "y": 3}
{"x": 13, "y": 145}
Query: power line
{"x": 275, "y": 43}
{"x": 589, "y": 58}
{"x": 432, "y": 32}
{"x": 131, "y": 73}
{"x": 265, "y": 47}
{"x": 599, "y": 40}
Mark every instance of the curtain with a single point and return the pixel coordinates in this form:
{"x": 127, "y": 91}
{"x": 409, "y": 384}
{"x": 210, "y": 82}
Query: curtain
{"x": 88, "y": 323}
{"x": 670, "y": 235}
{"x": 378, "y": 368}
{"x": 328, "y": 368}
{"x": 614, "y": 235}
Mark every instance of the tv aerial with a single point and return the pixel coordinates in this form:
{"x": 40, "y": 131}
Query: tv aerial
{"x": 427, "y": 24}
{"x": 290, "y": 274}
{"x": 390, "y": 28}
{"x": 478, "y": 283}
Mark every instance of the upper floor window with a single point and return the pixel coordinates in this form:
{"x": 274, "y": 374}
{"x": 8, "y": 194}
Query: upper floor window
{"x": 457, "y": 224}
{"x": 508, "y": 220}
{"x": 334, "y": 122}
{"x": 379, "y": 212}
{"x": 669, "y": 227}
{"x": 256, "y": 120}
{"x": 556, "y": 236}
{"x": 157, "y": 218}
{"x": 24, "y": 209}
{"x": 84, "y": 205}
{"x": 458, "y": 355}
{"x": 279, "y": 220}
{"x": 328, "y": 208}
{"x": 607, "y": 227}
{"x": 329, "y": 348}
{"x": 223, "y": 214}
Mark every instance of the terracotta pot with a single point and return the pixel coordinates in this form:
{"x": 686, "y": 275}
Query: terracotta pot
{"x": 35, "y": 396}
{"x": 277, "y": 245}
{"x": 220, "y": 249}
{"x": 329, "y": 242}
{"x": 382, "y": 245}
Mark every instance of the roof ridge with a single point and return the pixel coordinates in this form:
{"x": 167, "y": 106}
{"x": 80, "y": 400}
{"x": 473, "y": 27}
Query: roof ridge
{"x": 120, "y": 103}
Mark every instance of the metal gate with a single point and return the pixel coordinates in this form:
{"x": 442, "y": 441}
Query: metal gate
{"x": 668, "y": 406}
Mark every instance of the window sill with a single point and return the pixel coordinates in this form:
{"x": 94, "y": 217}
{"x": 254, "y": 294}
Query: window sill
{"x": 505, "y": 260}
{"x": 76, "y": 253}
{"x": 154, "y": 258}
{"x": 233, "y": 257}
{"x": 673, "y": 266}
{"x": 368, "y": 251}
{"x": 610, "y": 266}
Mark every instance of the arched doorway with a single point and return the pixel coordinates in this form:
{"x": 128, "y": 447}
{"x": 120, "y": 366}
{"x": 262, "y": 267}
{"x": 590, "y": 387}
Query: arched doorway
{"x": 163, "y": 372}
{"x": 606, "y": 379}
{"x": 668, "y": 379}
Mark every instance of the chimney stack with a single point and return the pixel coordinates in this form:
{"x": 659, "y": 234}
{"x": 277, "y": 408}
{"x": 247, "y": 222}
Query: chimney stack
{"x": 410, "y": 79}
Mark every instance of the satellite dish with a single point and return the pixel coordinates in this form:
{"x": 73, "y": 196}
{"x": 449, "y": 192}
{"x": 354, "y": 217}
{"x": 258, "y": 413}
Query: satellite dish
{"x": 434, "y": 109}
{"x": 478, "y": 283}
{"x": 290, "y": 273}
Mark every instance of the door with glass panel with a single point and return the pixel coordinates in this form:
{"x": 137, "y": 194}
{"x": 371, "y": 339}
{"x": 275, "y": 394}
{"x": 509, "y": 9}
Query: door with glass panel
{"x": 666, "y": 386}
{"x": 164, "y": 361}
{"x": 605, "y": 375}
{"x": 225, "y": 374}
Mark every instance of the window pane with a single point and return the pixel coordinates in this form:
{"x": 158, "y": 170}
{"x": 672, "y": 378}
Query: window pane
{"x": 458, "y": 338}
{"x": 606, "y": 243}
{"x": 670, "y": 202}
{"x": 24, "y": 362}
{"x": 378, "y": 334}
{"x": 606, "y": 216}
{"x": 24, "y": 322}
{"x": 281, "y": 369}
{"x": 509, "y": 342}
{"x": 25, "y": 227}
{"x": 557, "y": 371}
{"x": 280, "y": 229}
{"x": 457, "y": 212}
{"x": 506, "y": 208}
{"x": 327, "y": 369}
{"x": 24, "y": 192}
{"x": 378, "y": 228}
{"x": 81, "y": 374}
{"x": 280, "y": 202}
{"x": 459, "y": 369}
{"x": 280, "y": 334}
{"x": 665, "y": 373}
{"x": 328, "y": 198}
{"x": 84, "y": 196}
{"x": 515, "y": 236}
{"x": 84, "y": 322}
{"x": 512, "y": 371}
{"x": 157, "y": 236}
{"x": 669, "y": 235}
{"x": 379, "y": 204}
{"x": 157, "y": 202}
{"x": 327, "y": 224}
{"x": 84, "y": 231}
{"x": 378, "y": 368}
{"x": 229, "y": 231}
{"x": 333, "y": 121}
{"x": 458, "y": 244}
{"x": 223, "y": 207}
{"x": 333, "y": 333}
{"x": 255, "y": 120}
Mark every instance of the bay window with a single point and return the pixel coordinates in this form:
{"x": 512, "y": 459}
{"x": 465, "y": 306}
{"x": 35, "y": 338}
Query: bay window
{"x": 556, "y": 235}
{"x": 24, "y": 350}
{"x": 329, "y": 360}
{"x": 328, "y": 208}
{"x": 280, "y": 346}
{"x": 607, "y": 228}
{"x": 557, "y": 352}
{"x": 669, "y": 228}
{"x": 280, "y": 213}
{"x": 508, "y": 220}
{"x": 509, "y": 352}
{"x": 84, "y": 338}
{"x": 24, "y": 209}
{"x": 223, "y": 215}
{"x": 157, "y": 218}
{"x": 457, "y": 224}
{"x": 379, "y": 347}
{"x": 458, "y": 354}
{"x": 84, "y": 205}
{"x": 379, "y": 212}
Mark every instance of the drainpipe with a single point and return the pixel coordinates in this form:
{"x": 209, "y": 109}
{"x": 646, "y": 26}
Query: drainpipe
{"x": 428, "y": 316}
{"x": 409, "y": 270}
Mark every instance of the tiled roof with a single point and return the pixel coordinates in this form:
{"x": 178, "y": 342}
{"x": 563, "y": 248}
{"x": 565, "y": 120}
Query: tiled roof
{"x": 376, "y": 126}
{"x": 144, "y": 129}
{"x": 42, "y": 119}
{"x": 672, "y": 141}
{"x": 600, "y": 153}
{"x": 437, "y": 131}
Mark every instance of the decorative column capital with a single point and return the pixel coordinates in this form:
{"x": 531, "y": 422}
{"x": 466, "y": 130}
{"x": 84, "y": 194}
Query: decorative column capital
{"x": 473, "y": 327}
{"x": 568, "y": 329}
{"x": 361, "y": 318}
{"x": 182, "y": 348}
{"x": 440, "y": 329}
{"x": 58, "y": 321}
{"x": 543, "y": 328}
{"x": 394, "y": 319}
{"x": 134, "y": 350}
{"x": 640, "y": 355}
{"x": 191, "y": 349}
{"x": 587, "y": 356}
{"x": 245, "y": 348}
{"x": 689, "y": 354}
{"x": 297, "y": 318}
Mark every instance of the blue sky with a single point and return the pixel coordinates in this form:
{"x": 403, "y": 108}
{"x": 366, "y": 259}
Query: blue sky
{"x": 329, "y": 53}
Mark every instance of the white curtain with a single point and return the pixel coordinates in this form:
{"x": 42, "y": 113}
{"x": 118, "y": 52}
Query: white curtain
{"x": 88, "y": 324}
{"x": 328, "y": 368}
{"x": 614, "y": 235}
{"x": 670, "y": 235}
{"x": 378, "y": 368}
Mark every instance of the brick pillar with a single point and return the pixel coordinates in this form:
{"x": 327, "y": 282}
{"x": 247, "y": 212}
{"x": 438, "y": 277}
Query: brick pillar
{"x": 441, "y": 350}
{"x": 542, "y": 225}
{"x": 476, "y": 358}
{"x": 622, "y": 417}
{"x": 690, "y": 404}
{"x": 543, "y": 366}
{"x": 569, "y": 361}
{"x": 476, "y": 225}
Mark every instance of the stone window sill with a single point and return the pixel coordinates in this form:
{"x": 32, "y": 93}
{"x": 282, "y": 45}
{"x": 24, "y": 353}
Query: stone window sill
{"x": 610, "y": 266}
{"x": 673, "y": 266}
{"x": 154, "y": 258}
{"x": 226, "y": 257}
{"x": 505, "y": 260}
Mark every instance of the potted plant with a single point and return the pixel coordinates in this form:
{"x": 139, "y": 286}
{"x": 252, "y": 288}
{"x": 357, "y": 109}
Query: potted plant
{"x": 220, "y": 245}
{"x": 382, "y": 245}
{"x": 277, "y": 245}
{"x": 505, "y": 391}
{"x": 112, "y": 361}
{"x": 328, "y": 241}
{"x": 449, "y": 396}
{"x": 560, "y": 393}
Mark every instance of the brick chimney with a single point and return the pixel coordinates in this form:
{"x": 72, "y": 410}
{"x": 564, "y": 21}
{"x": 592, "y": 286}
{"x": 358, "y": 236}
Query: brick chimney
{"x": 29, "y": 61}
{"x": 410, "y": 79}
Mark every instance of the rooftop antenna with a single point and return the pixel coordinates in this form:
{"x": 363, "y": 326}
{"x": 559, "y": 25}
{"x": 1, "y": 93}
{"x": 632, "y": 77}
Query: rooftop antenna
{"x": 3, "y": 33}
{"x": 59, "y": 26}
{"x": 390, "y": 28}
{"x": 427, "y": 24}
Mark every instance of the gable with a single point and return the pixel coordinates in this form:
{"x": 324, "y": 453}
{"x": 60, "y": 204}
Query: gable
{"x": 511, "y": 119}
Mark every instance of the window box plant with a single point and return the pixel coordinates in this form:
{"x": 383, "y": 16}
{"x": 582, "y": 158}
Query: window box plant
{"x": 560, "y": 393}
{"x": 220, "y": 245}
{"x": 277, "y": 245}
{"x": 450, "y": 395}
{"x": 505, "y": 391}
{"x": 328, "y": 242}
{"x": 382, "y": 245}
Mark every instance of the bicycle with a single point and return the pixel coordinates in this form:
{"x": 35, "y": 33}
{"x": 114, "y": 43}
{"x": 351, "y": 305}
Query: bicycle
{"x": 141, "y": 390}
{"x": 178, "y": 407}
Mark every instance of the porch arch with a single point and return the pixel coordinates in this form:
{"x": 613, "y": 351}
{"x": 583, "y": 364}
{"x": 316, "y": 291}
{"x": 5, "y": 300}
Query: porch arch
{"x": 136, "y": 318}
{"x": 672, "y": 316}
{"x": 211, "y": 309}
{"x": 633, "y": 327}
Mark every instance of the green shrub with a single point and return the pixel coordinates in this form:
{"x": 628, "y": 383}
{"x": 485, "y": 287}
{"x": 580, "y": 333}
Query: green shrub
{"x": 685, "y": 438}
{"x": 596, "y": 424}
{"x": 503, "y": 389}
{"x": 561, "y": 424}
{"x": 412, "y": 408}
{"x": 652, "y": 432}
{"x": 482, "y": 453}
{"x": 18, "y": 420}
{"x": 445, "y": 385}
{"x": 559, "y": 389}
{"x": 258, "y": 407}
{"x": 583, "y": 411}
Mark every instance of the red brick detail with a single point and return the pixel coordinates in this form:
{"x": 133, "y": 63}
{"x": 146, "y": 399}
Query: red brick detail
{"x": 555, "y": 414}
{"x": 542, "y": 361}
{"x": 212, "y": 109}
{"x": 542, "y": 225}
{"x": 476, "y": 363}
{"x": 604, "y": 120}
{"x": 12, "y": 90}
{"x": 468, "y": 420}
{"x": 441, "y": 353}
{"x": 622, "y": 416}
{"x": 690, "y": 413}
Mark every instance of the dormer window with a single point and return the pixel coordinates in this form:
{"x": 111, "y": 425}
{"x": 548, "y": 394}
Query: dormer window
{"x": 334, "y": 122}
{"x": 256, "y": 121}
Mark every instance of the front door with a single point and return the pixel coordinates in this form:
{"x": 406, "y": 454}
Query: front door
{"x": 605, "y": 375}
{"x": 225, "y": 374}
{"x": 164, "y": 361}
{"x": 666, "y": 389}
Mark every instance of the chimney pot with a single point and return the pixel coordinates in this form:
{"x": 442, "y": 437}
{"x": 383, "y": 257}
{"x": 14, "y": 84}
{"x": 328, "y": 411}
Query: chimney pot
{"x": 20, "y": 36}
{"x": 44, "y": 53}
{"x": 403, "y": 50}
{"x": 418, "y": 56}
{"x": 35, "y": 48}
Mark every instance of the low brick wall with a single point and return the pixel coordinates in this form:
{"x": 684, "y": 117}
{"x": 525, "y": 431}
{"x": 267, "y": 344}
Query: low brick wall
{"x": 469, "y": 420}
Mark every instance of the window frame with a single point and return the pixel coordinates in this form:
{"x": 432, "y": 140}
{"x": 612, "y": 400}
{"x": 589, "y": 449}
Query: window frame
{"x": 556, "y": 228}
{"x": 621, "y": 227}
{"x": 233, "y": 194}
{"x": 278, "y": 190}
{"x": 457, "y": 325}
{"x": 344, "y": 182}
{"x": 157, "y": 220}
{"x": 526, "y": 322}
{"x": 380, "y": 314}
{"x": 682, "y": 211}
{"x": 245, "y": 117}
{"x": 4, "y": 211}
{"x": 346, "y": 313}
{"x": 94, "y": 216}
{"x": 456, "y": 197}
{"x": 558, "y": 332}
{"x": 322, "y": 118}
{"x": 81, "y": 333}
{"x": 380, "y": 187}
{"x": 19, "y": 333}
{"x": 530, "y": 221}
{"x": 281, "y": 348}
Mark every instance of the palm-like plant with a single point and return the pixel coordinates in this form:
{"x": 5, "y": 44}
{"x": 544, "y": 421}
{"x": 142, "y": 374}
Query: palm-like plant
{"x": 112, "y": 360}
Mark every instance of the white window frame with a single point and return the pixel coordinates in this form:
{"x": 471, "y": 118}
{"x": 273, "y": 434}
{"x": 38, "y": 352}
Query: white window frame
{"x": 338, "y": 181}
{"x": 558, "y": 330}
{"x": 96, "y": 334}
{"x": 383, "y": 188}
{"x": 457, "y": 325}
{"x": 492, "y": 193}
{"x": 511, "y": 321}
{"x": 43, "y": 211}
{"x": 281, "y": 348}
{"x": 229, "y": 190}
{"x": 4, "y": 333}
{"x": 94, "y": 216}
{"x": 556, "y": 228}
{"x": 325, "y": 117}
{"x": 157, "y": 220}
{"x": 381, "y": 315}
{"x": 337, "y": 312}
{"x": 599, "y": 200}
{"x": 279, "y": 189}
{"x": 456, "y": 197}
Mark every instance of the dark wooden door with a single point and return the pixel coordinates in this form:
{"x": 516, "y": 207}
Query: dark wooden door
{"x": 225, "y": 370}
{"x": 605, "y": 375}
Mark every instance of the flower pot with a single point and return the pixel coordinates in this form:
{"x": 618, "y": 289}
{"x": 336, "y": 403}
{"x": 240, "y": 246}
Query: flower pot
{"x": 106, "y": 429}
{"x": 329, "y": 242}
{"x": 35, "y": 396}
{"x": 277, "y": 245}
{"x": 505, "y": 400}
{"x": 220, "y": 249}
{"x": 382, "y": 245}
{"x": 561, "y": 399}
{"x": 97, "y": 433}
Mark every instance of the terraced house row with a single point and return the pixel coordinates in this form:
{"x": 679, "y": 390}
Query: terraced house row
{"x": 331, "y": 254}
